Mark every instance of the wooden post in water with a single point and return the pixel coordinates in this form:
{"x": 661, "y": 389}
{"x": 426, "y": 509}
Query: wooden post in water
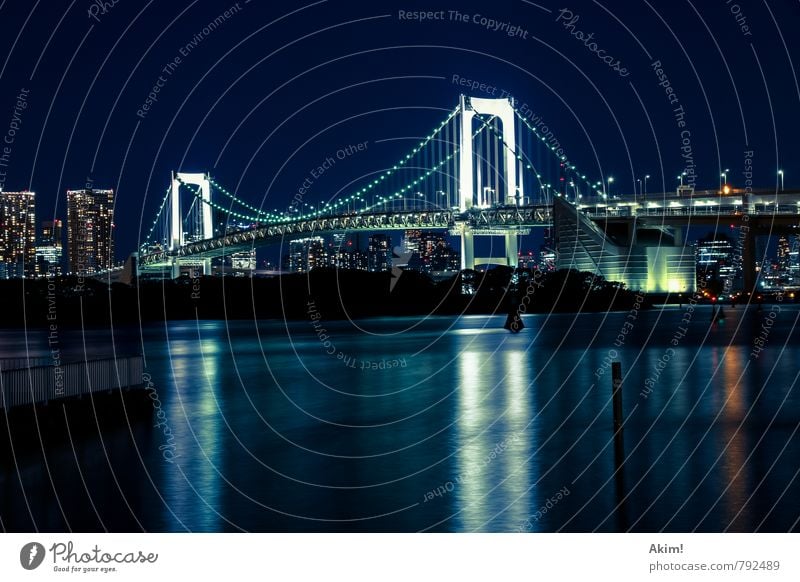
{"x": 619, "y": 446}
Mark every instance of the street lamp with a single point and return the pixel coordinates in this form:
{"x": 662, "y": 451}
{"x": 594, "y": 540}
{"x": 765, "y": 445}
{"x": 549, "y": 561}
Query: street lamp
{"x": 639, "y": 181}
{"x": 644, "y": 192}
{"x": 724, "y": 176}
{"x": 780, "y": 174}
{"x": 445, "y": 196}
{"x": 608, "y": 190}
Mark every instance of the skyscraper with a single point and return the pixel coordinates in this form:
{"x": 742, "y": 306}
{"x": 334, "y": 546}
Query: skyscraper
{"x": 49, "y": 250}
{"x": 17, "y": 234}
{"x": 90, "y": 230}
{"x": 431, "y": 252}
{"x": 379, "y": 252}
{"x": 716, "y": 262}
{"x": 788, "y": 268}
{"x": 51, "y": 232}
{"x": 306, "y": 254}
{"x": 411, "y": 241}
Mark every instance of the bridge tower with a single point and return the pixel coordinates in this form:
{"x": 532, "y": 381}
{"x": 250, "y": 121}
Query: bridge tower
{"x": 510, "y": 187}
{"x": 176, "y": 234}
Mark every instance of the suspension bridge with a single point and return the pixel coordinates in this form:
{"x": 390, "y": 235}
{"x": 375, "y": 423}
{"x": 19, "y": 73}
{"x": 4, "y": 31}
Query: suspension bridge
{"x": 467, "y": 176}
{"x": 484, "y": 170}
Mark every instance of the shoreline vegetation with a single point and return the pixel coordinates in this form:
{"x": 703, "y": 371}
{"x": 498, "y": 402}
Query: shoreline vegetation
{"x": 336, "y": 294}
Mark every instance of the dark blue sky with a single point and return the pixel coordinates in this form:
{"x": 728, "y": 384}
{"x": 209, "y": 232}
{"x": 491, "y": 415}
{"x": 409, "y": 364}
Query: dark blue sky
{"x": 277, "y": 87}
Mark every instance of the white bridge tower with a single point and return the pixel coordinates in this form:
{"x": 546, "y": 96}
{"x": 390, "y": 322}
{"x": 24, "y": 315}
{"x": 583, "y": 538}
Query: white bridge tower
{"x": 508, "y": 190}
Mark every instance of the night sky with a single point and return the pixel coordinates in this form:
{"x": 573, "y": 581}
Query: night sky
{"x": 276, "y": 88}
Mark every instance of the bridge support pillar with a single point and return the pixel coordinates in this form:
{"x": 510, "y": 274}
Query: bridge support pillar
{"x": 748, "y": 259}
{"x": 176, "y": 268}
{"x": 467, "y": 248}
{"x": 512, "y": 249}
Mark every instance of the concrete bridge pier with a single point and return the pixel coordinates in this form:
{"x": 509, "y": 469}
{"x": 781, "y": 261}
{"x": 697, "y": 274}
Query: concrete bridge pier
{"x": 467, "y": 248}
{"x": 749, "y": 275}
{"x": 512, "y": 249}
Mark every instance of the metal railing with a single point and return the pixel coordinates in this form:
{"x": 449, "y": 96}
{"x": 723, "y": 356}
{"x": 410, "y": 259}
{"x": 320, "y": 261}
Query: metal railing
{"x": 26, "y": 381}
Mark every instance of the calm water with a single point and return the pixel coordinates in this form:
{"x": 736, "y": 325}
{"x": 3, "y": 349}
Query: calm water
{"x": 271, "y": 433}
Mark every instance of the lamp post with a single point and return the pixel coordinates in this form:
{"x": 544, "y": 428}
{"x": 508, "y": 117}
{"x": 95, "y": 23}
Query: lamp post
{"x": 644, "y": 191}
{"x": 639, "y": 181}
{"x": 724, "y": 178}
{"x": 608, "y": 190}
{"x": 780, "y": 175}
{"x": 445, "y": 197}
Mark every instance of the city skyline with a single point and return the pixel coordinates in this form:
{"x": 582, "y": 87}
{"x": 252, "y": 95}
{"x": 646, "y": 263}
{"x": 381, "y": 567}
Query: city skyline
{"x": 238, "y": 157}
{"x": 400, "y": 267}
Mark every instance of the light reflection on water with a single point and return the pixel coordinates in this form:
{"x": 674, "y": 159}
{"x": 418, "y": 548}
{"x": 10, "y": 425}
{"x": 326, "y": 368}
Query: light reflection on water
{"x": 274, "y": 434}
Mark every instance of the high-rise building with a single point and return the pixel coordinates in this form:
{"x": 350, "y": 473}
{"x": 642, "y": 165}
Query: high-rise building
{"x": 243, "y": 261}
{"x": 90, "y": 230}
{"x": 18, "y": 234}
{"x": 306, "y": 254}
{"x": 52, "y": 233}
{"x": 342, "y": 253}
{"x": 715, "y": 261}
{"x": 431, "y": 252}
{"x": 49, "y": 251}
{"x": 787, "y": 268}
{"x": 379, "y": 252}
{"x": 238, "y": 264}
{"x": 411, "y": 241}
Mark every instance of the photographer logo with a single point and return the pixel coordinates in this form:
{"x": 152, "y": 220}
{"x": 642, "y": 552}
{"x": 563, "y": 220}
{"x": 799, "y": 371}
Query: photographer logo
{"x": 31, "y": 555}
